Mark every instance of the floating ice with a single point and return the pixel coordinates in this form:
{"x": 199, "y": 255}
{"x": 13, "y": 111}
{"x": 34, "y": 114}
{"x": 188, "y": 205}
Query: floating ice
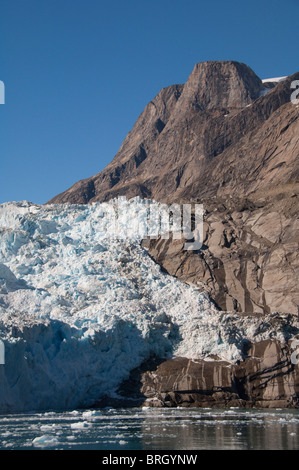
{"x": 80, "y": 425}
{"x": 45, "y": 441}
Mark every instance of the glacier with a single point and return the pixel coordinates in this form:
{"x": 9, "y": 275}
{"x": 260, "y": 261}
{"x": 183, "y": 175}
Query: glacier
{"x": 80, "y": 308}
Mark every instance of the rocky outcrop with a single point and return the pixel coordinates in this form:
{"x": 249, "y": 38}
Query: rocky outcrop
{"x": 266, "y": 378}
{"x": 249, "y": 259}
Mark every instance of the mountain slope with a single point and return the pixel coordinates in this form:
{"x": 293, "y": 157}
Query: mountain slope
{"x": 214, "y": 135}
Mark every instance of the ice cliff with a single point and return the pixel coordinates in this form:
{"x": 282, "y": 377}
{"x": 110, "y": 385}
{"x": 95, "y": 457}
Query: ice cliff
{"x": 80, "y": 309}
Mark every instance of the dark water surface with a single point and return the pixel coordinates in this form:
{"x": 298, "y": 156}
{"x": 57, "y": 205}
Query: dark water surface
{"x": 152, "y": 429}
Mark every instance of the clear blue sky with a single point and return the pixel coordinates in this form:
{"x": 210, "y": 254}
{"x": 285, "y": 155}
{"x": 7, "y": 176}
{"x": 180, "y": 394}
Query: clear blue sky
{"x": 79, "y": 72}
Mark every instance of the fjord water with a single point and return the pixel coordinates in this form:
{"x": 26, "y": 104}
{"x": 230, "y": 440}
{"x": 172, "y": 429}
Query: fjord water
{"x": 152, "y": 429}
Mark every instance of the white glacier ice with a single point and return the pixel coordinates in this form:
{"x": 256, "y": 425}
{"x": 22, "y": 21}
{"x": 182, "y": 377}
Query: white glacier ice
{"x": 80, "y": 309}
{"x": 45, "y": 441}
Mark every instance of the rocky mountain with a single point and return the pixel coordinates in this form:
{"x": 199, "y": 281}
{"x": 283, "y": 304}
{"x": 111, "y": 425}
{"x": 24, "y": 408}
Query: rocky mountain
{"x": 219, "y": 134}
{"x": 91, "y": 321}
{"x": 228, "y": 140}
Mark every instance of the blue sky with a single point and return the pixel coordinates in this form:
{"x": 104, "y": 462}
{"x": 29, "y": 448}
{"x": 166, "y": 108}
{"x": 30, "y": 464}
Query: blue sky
{"x": 79, "y": 72}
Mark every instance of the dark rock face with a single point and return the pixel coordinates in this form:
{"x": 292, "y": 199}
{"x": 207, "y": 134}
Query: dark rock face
{"x": 265, "y": 379}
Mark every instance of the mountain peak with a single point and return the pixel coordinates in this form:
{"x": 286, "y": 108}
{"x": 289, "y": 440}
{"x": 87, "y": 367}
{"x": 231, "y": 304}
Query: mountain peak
{"x": 222, "y": 84}
{"x": 190, "y": 138}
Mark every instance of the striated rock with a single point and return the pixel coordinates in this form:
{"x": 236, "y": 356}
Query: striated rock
{"x": 265, "y": 379}
{"x": 184, "y": 382}
{"x": 249, "y": 260}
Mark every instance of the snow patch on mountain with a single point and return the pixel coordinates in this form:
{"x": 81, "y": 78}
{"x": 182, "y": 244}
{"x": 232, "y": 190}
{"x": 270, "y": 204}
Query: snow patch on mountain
{"x": 79, "y": 309}
{"x": 274, "y": 80}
